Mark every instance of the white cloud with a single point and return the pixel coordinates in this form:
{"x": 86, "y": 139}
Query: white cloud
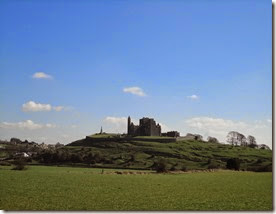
{"x": 135, "y": 90}
{"x": 193, "y": 97}
{"x": 33, "y": 106}
{"x": 41, "y": 75}
{"x": 28, "y": 124}
{"x": 218, "y": 127}
{"x": 269, "y": 120}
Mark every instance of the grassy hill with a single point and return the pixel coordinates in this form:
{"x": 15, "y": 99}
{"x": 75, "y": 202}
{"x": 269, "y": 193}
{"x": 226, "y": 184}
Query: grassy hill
{"x": 189, "y": 154}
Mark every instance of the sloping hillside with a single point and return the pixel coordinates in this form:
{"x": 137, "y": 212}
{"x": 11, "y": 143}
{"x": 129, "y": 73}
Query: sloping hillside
{"x": 179, "y": 155}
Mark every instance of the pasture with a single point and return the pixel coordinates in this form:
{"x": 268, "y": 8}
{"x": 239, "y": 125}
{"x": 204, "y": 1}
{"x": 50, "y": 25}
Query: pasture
{"x": 69, "y": 188}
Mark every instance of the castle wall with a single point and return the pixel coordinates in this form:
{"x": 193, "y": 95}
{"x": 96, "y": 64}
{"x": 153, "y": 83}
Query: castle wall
{"x": 147, "y": 127}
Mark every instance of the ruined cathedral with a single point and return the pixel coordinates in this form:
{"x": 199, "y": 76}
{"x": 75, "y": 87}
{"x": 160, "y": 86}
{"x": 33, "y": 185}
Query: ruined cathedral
{"x": 147, "y": 127}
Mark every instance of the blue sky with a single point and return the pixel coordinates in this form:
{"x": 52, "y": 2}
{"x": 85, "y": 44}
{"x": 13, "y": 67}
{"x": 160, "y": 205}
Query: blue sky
{"x": 202, "y": 66}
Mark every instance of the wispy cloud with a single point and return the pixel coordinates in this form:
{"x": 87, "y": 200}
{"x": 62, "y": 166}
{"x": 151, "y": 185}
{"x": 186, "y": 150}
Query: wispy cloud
{"x": 214, "y": 123}
{"x": 135, "y": 90}
{"x": 58, "y": 108}
{"x": 115, "y": 124}
{"x": 35, "y": 107}
{"x": 28, "y": 124}
{"x": 116, "y": 120}
{"x": 41, "y": 75}
{"x": 164, "y": 128}
{"x": 193, "y": 97}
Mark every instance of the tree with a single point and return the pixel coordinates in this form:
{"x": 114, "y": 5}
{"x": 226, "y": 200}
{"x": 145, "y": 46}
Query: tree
{"x": 89, "y": 158}
{"x": 58, "y": 145}
{"x": 236, "y": 138}
{"x": 242, "y": 140}
{"x": 251, "y": 141}
{"x": 46, "y": 157}
{"x": 263, "y": 146}
{"x": 19, "y": 164}
{"x": 231, "y": 138}
{"x": 212, "y": 140}
{"x": 15, "y": 140}
{"x": 198, "y": 137}
{"x": 97, "y": 157}
{"x": 233, "y": 163}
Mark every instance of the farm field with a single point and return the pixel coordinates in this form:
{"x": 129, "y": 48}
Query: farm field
{"x": 69, "y": 188}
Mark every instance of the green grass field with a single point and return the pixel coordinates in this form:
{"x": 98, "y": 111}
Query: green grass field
{"x": 65, "y": 188}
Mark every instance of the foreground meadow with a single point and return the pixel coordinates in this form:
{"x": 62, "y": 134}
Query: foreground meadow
{"x": 65, "y": 188}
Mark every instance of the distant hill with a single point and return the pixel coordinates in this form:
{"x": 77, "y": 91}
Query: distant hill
{"x": 143, "y": 153}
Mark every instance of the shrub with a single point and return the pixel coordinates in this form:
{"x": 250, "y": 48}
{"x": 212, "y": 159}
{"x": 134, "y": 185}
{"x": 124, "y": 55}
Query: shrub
{"x": 184, "y": 168}
{"x": 266, "y": 168}
{"x": 212, "y": 140}
{"x": 173, "y": 168}
{"x": 98, "y": 157}
{"x": 233, "y": 163}
{"x": 76, "y": 158}
{"x": 160, "y": 166}
{"x": 213, "y": 166}
{"x": 107, "y": 161}
{"x": 19, "y": 164}
{"x": 259, "y": 161}
{"x": 4, "y": 163}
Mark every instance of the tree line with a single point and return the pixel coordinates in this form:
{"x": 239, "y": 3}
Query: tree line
{"x": 237, "y": 139}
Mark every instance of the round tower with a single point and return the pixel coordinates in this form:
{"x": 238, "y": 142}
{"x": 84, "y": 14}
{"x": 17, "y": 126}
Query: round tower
{"x": 128, "y": 125}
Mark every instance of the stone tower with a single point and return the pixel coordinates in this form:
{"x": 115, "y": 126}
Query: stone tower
{"x": 128, "y": 124}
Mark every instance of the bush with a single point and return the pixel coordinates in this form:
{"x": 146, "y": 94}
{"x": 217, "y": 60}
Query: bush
{"x": 160, "y": 166}
{"x": 266, "y": 168}
{"x": 259, "y": 161}
{"x": 173, "y": 168}
{"x": 184, "y": 168}
{"x": 233, "y": 163}
{"x": 4, "y": 163}
{"x": 212, "y": 165}
{"x": 98, "y": 157}
{"x": 107, "y": 161}
{"x": 19, "y": 164}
